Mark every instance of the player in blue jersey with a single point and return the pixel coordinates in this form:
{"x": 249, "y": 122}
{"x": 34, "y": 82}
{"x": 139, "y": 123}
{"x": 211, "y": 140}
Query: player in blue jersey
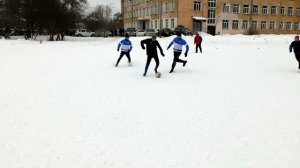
{"x": 178, "y": 44}
{"x": 126, "y": 47}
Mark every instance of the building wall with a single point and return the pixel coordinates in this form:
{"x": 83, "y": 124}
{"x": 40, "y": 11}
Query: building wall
{"x": 277, "y": 18}
{"x": 137, "y": 20}
{"x": 184, "y": 11}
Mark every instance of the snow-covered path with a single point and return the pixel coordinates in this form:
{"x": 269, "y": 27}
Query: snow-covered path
{"x": 64, "y": 104}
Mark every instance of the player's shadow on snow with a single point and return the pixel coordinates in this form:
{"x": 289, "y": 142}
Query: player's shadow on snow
{"x": 125, "y": 65}
{"x": 187, "y": 72}
{"x": 290, "y": 71}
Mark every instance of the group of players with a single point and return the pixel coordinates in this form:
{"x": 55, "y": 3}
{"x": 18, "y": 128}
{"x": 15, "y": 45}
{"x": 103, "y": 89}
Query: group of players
{"x": 152, "y": 44}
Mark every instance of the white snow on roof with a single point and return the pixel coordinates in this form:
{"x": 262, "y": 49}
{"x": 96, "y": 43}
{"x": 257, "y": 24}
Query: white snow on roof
{"x": 199, "y": 18}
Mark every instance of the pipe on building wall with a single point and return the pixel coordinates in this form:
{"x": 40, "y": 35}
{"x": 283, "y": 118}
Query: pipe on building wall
{"x": 177, "y": 11}
{"x": 251, "y": 18}
{"x": 160, "y": 16}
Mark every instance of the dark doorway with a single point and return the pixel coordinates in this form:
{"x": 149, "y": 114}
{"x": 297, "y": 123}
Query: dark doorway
{"x": 144, "y": 25}
{"x": 211, "y": 30}
{"x": 197, "y": 25}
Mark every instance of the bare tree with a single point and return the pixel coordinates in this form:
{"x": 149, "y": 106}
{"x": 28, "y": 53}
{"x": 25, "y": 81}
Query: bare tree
{"x": 51, "y": 16}
{"x": 99, "y": 17}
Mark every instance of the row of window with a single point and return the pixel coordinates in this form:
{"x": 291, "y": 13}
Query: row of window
{"x": 265, "y": 10}
{"x": 154, "y": 24}
{"x": 263, "y": 25}
{"x": 167, "y": 23}
{"x": 128, "y": 3}
{"x": 168, "y": 7}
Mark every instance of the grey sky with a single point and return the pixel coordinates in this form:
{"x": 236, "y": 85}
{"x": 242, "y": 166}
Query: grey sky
{"x": 115, "y": 4}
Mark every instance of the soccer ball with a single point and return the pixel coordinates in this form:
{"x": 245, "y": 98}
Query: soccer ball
{"x": 158, "y": 75}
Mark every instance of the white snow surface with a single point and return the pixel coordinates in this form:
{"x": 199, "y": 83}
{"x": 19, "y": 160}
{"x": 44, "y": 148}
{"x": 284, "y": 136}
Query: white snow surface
{"x": 65, "y": 105}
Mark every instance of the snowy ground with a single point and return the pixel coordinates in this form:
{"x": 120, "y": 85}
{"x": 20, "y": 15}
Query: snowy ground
{"x": 65, "y": 105}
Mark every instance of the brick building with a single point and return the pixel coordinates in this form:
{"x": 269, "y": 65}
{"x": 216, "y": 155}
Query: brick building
{"x": 215, "y": 16}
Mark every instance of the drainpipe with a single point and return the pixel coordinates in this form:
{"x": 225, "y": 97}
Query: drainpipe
{"x": 250, "y": 19}
{"x": 160, "y": 18}
{"x": 280, "y": 16}
{"x": 131, "y": 4}
{"x": 123, "y": 12}
{"x": 177, "y": 11}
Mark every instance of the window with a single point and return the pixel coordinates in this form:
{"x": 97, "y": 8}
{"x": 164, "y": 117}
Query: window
{"x": 235, "y": 24}
{"x": 281, "y": 26}
{"x": 273, "y": 10}
{"x": 151, "y": 24}
{"x": 212, "y": 3}
{"x": 246, "y": 9}
{"x": 172, "y": 7}
{"x": 167, "y": 23}
{"x": 212, "y": 11}
{"x": 282, "y": 11}
{"x": 172, "y": 23}
{"x": 211, "y": 16}
{"x": 298, "y": 11}
{"x": 155, "y": 24}
{"x": 226, "y": 8}
{"x": 245, "y": 25}
{"x": 254, "y": 25}
{"x": 288, "y": 26}
{"x": 265, "y": 10}
{"x": 272, "y": 25}
{"x": 147, "y": 12}
{"x": 197, "y": 6}
{"x": 263, "y": 25}
{"x": 161, "y": 23}
{"x": 291, "y": 11}
{"x": 296, "y": 26}
{"x": 236, "y": 8}
{"x": 166, "y": 7}
{"x": 255, "y": 9}
{"x": 225, "y": 24}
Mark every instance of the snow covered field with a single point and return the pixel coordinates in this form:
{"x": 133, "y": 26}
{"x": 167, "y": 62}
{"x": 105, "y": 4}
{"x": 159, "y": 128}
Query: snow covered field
{"x": 65, "y": 105}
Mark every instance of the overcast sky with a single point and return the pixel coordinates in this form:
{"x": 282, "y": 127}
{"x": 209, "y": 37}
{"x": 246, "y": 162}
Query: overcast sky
{"x": 115, "y": 4}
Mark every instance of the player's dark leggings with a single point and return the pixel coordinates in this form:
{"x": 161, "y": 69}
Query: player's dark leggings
{"x": 176, "y": 59}
{"x": 149, "y": 58}
{"x": 122, "y": 54}
{"x": 297, "y": 55}
{"x": 198, "y": 46}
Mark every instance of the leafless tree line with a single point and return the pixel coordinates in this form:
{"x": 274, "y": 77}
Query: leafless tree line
{"x": 51, "y": 17}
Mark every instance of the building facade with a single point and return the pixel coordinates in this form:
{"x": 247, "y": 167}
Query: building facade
{"x": 215, "y": 16}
